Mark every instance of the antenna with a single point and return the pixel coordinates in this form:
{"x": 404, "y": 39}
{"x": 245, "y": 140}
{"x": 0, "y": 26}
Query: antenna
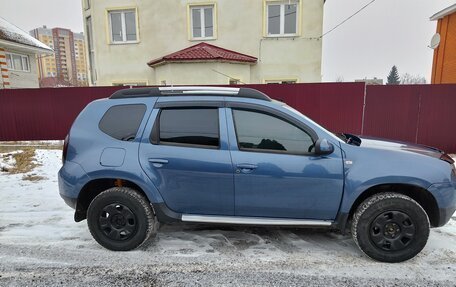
{"x": 435, "y": 41}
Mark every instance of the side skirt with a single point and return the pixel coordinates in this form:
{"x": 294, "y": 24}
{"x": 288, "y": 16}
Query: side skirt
{"x": 255, "y": 220}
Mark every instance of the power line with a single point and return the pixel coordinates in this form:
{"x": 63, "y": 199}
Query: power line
{"x": 353, "y": 15}
{"x": 228, "y": 76}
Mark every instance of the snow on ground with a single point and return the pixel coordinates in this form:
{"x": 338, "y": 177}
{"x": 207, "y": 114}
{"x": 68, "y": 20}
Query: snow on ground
{"x": 7, "y": 161}
{"x": 32, "y": 143}
{"x": 41, "y": 245}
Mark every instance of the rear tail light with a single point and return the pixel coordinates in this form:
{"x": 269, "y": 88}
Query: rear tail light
{"x": 65, "y": 149}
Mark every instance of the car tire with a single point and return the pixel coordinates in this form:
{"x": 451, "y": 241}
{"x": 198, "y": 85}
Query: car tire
{"x": 390, "y": 227}
{"x": 121, "y": 219}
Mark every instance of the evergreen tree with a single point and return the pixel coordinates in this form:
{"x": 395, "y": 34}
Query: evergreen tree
{"x": 393, "y": 77}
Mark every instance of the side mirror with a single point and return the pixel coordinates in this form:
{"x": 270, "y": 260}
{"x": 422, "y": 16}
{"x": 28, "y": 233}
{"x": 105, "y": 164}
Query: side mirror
{"x": 323, "y": 147}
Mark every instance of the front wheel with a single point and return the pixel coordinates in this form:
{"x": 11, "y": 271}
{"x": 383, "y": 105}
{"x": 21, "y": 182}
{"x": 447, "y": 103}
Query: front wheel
{"x": 390, "y": 227}
{"x": 121, "y": 219}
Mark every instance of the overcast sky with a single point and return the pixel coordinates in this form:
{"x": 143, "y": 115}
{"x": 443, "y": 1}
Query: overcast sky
{"x": 387, "y": 33}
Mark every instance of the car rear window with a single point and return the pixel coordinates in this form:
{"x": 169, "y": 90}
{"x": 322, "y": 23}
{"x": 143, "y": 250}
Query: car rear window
{"x": 190, "y": 126}
{"x": 122, "y": 122}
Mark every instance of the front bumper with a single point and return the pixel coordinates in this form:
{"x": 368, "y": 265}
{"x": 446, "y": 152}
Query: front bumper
{"x": 445, "y": 215}
{"x": 445, "y": 195}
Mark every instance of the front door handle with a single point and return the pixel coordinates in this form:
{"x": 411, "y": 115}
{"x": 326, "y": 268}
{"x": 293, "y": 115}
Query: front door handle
{"x": 158, "y": 162}
{"x": 245, "y": 168}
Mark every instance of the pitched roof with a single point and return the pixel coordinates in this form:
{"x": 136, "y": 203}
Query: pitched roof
{"x": 11, "y": 33}
{"x": 204, "y": 52}
{"x": 445, "y": 12}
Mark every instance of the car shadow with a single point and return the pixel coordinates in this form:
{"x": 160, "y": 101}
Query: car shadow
{"x": 189, "y": 238}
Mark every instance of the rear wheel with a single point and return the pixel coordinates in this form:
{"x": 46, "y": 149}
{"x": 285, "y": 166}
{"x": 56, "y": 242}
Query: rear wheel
{"x": 121, "y": 219}
{"x": 390, "y": 227}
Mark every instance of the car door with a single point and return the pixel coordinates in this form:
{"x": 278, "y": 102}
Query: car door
{"x": 276, "y": 173}
{"x": 188, "y": 160}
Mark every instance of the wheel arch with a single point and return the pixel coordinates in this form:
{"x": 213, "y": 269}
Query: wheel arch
{"x": 417, "y": 193}
{"x": 94, "y": 187}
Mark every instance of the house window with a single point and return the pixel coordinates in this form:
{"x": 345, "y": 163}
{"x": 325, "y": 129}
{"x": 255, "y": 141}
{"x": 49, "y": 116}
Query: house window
{"x": 123, "y": 26}
{"x": 18, "y": 62}
{"x": 234, "y": 81}
{"x": 138, "y": 84}
{"x": 282, "y": 18}
{"x": 280, "y": 81}
{"x": 202, "y": 21}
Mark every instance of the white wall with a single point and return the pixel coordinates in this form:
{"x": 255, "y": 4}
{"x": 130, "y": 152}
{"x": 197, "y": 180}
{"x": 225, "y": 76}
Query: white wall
{"x": 201, "y": 73}
{"x": 163, "y": 29}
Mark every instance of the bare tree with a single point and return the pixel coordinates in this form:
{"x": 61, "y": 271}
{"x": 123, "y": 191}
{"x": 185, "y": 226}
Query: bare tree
{"x": 408, "y": 79}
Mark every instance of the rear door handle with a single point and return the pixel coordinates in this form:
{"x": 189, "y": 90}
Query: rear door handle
{"x": 158, "y": 162}
{"x": 245, "y": 168}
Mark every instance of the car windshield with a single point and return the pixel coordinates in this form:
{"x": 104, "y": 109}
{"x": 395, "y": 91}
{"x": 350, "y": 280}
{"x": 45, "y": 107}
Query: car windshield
{"x": 341, "y": 136}
{"x": 349, "y": 138}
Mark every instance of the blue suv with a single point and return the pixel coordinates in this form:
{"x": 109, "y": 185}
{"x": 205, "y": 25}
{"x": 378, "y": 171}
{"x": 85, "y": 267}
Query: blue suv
{"x": 235, "y": 156}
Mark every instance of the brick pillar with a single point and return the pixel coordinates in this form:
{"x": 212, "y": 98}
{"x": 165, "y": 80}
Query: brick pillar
{"x": 4, "y": 76}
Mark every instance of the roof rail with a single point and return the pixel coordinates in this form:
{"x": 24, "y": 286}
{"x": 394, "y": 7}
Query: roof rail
{"x": 197, "y": 89}
{"x": 188, "y": 91}
{"x": 136, "y": 93}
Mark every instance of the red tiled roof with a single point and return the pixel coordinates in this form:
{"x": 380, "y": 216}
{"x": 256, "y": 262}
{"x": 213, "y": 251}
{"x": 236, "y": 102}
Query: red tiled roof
{"x": 204, "y": 52}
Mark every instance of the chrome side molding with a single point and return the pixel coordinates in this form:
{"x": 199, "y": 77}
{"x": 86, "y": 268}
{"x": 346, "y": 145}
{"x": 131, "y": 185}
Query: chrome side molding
{"x": 254, "y": 220}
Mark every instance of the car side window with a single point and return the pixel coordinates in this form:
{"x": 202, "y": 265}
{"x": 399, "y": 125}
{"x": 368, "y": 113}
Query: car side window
{"x": 257, "y": 131}
{"x": 122, "y": 122}
{"x": 189, "y": 127}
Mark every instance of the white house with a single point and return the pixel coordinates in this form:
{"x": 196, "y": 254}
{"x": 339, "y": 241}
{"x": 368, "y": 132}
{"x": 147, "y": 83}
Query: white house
{"x": 168, "y": 42}
{"x": 18, "y": 51}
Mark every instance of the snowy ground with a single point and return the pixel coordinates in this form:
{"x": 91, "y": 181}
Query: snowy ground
{"x": 40, "y": 244}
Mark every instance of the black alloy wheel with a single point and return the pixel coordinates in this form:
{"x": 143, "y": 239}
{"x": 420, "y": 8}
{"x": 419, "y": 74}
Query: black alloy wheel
{"x": 390, "y": 227}
{"x": 392, "y": 230}
{"x": 121, "y": 219}
{"x": 117, "y": 221}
